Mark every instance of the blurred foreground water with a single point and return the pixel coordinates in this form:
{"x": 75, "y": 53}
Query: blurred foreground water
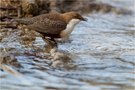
{"x": 102, "y": 49}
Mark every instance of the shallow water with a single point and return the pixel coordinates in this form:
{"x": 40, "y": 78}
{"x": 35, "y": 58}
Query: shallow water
{"x": 102, "y": 49}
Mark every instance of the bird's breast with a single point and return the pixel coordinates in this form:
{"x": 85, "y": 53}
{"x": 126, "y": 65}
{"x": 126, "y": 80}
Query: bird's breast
{"x": 69, "y": 28}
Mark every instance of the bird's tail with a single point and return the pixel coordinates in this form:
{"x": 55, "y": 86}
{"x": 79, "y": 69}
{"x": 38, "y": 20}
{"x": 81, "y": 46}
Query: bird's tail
{"x": 22, "y": 21}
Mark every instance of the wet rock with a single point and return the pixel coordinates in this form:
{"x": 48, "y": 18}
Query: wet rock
{"x": 87, "y": 6}
{"x": 8, "y": 8}
{"x": 9, "y": 63}
{"x": 60, "y": 55}
{"x": 43, "y": 6}
{"x": 27, "y": 37}
{"x": 8, "y": 59}
{"x": 29, "y": 8}
{"x": 53, "y": 6}
{"x": 61, "y": 59}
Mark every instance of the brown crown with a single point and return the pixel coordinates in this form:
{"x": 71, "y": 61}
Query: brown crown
{"x": 72, "y": 15}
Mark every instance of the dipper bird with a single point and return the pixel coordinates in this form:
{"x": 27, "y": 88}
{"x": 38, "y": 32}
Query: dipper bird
{"x": 53, "y": 25}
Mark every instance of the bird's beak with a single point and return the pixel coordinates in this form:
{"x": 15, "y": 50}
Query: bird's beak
{"x": 84, "y": 19}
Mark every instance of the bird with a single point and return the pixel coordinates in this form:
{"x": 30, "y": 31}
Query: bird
{"x": 53, "y": 25}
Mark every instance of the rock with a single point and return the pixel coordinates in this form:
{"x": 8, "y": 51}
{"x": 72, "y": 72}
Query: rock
{"x": 57, "y": 64}
{"x": 61, "y": 59}
{"x": 9, "y": 63}
{"x": 8, "y": 59}
{"x": 29, "y": 8}
{"x": 60, "y": 55}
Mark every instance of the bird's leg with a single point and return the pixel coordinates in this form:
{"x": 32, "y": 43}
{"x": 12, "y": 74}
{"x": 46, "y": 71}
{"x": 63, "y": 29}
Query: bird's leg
{"x": 47, "y": 43}
{"x": 54, "y": 42}
{"x": 51, "y": 43}
{"x": 64, "y": 40}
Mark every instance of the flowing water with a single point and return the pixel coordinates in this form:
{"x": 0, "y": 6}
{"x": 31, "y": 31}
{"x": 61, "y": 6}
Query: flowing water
{"x": 102, "y": 52}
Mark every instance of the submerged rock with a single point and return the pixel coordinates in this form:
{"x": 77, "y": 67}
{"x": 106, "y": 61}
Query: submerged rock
{"x": 60, "y": 55}
{"x": 61, "y": 58}
{"x": 8, "y": 59}
{"x": 9, "y": 63}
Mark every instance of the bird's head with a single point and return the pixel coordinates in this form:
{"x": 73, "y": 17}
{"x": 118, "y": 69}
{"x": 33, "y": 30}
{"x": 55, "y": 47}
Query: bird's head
{"x": 73, "y": 15}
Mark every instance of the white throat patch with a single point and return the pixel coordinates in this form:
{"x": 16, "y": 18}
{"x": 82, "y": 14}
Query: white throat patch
{"x": 70, "y": 27}
{"x": 74, "y": 22}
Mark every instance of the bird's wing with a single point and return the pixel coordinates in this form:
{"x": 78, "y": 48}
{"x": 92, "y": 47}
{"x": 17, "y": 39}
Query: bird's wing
{"x": 25, "y": 21}
{"x": 48, "y": 26}
{"x": 28, "y": 21}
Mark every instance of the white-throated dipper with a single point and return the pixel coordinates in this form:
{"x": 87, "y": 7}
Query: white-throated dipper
{"x": 53, "y": 25}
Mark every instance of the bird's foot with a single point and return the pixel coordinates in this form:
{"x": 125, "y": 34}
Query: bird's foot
{"x": 47, "y": 48}
{"x": 64, "y": 41}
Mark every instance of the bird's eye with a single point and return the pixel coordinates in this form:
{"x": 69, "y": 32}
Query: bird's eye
{"x": 76, "y": 16}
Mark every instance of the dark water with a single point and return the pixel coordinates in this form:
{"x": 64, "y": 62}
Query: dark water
{"x": 102, "y": 52}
